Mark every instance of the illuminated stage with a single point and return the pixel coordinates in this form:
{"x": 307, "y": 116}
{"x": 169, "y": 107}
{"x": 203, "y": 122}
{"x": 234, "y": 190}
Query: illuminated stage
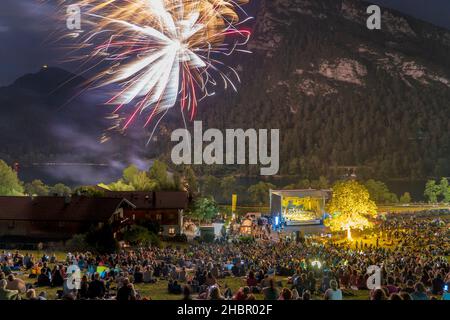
{"x": 298, "y": 207}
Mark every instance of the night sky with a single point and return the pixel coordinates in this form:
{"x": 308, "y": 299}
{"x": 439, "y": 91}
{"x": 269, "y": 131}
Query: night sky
{"x": 26, "y": 27}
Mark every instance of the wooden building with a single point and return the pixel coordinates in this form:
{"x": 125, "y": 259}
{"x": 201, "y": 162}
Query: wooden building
{"x": 165, "y": 208}
{"x": 28, "y": 219}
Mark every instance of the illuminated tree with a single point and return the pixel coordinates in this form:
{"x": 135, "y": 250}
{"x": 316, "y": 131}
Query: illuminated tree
{"x": 89, "y": 191}
{"x": 36, "y": 188}
{"x": 350, "y": 207}
{"x": 158, "y": 172}
{"x": 60, "y": 190}
{"x": 379, "y": 192}
{"x": 119, "y": 185}
{"x": 141, "y": 182}
{"x": 205, "y": 209}
{"x": 405, "y": 198}
{"x": 445, "y": 190}
{"x": 10, "y": 184}
{"x": 432, "y": 191}
{"x": 133, "y": 180}
{"x": 129, "y": 173}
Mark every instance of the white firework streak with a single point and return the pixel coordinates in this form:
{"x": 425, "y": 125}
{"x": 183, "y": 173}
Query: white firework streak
{"x": 163, "y": 64}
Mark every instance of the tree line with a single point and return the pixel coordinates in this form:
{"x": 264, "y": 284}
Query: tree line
{"x": 437, "y": 191}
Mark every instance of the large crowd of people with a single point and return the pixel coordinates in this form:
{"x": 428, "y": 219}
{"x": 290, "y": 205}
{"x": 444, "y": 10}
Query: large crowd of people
{"x": 411, "y": 255}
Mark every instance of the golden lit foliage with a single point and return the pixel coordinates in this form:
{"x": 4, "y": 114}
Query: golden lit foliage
{"x": 350, "y": 207}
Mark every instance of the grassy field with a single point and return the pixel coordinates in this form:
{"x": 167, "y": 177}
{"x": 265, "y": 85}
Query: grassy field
{"x": 158, "y": 290}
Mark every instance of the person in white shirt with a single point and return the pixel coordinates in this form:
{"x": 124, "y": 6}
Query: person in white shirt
{"x": 333, "y": 293}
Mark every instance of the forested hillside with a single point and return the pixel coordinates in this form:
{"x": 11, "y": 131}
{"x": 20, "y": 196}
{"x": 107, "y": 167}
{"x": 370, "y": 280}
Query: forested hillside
{"x": 343, "y": 95}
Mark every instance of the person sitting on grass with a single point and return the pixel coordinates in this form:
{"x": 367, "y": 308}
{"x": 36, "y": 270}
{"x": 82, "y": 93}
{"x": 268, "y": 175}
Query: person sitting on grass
{"x": 405, "y": 295}
{"x": 6, "y": 269}
{"x": 437, "y": 285}
{"x": 301, "y": 283}
{"x": 83, "y": 292}
{"x": 286, "y": 294}
{"x": 295, "y": 295}
{"x": 97, "y": 289}
{"x": 409, "y": 288}
{"x": 210, "y": 280}
{"x": 7, "y": 294}
{"x": 251, "y": 280}
{"x": 138, "y": 276}
{"x": 228, "y": 294}
{"x": 174, "y": 287}
{"x": 306, "y": 296}
{"x": 28, "y": 261}
{"x": 187, "y": 293}
{"x": 420, "y": 292}
{"x": 147, "y": 276}
{"x": 378, "y": 295}
{"x": 57, "y": 277}
{"x": 182, "y": 275}
{"x": 311, "y": 282}
{"x": 395, "y": 296}
{"x": 16, "y": 284}
{"x": 43, "y": 279}
{"x": 390, "y": 286}
{"x": 31, "y": 295}
{"x": 214, "y": 294}
{"x": 333, "y": 293}
{"x": 242, "y": 294}
{"x": 270, "y": 292}
{"x": 42, "y": 295}
{"x": 126, "y": 292}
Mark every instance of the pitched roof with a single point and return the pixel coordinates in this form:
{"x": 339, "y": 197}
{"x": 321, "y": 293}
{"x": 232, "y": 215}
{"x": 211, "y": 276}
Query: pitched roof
{"x": 153, "y": 199}
{"x": 141, "y": 199}
{"x": 302, "y": 193}
{"x": 75, "y": 208}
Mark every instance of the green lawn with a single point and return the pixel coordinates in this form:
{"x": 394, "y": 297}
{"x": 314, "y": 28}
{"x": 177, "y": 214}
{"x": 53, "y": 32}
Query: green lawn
{"x": 158, "y": 290}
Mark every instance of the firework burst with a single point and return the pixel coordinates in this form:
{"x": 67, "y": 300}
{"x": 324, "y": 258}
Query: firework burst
{"x": 161, "y": 52}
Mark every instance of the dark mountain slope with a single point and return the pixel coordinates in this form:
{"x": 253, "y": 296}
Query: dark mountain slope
{"x": 343, "y": 95}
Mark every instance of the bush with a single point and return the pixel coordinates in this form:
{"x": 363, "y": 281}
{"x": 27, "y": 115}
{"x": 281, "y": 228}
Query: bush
{"x": 208, "y": 237}
{"x": 141, "y": 236}
{"x": 151, "y": 226}
{"x": 180, "y": 238}
{"x": 102, "y": 240}
{"x": 246, "y": 239}
{"x": 155, "y": 240}
{"x": 89, "y": 192}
